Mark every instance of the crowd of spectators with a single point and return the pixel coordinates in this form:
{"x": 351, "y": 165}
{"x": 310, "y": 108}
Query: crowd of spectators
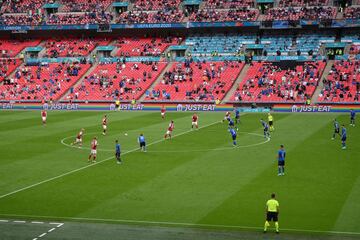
{"x": 146, "y": 5}
{"x": 79, "y": 18}
{"x": 342, "y": 83}
{"x": 352, "y": 12}
{"x": 85, "y": 5}
{"x": 132, "y": 17}
{"x": 225, "y": 4}
{"x": 306, "y": 13}
{"x": 7, "y": 66}
{"x": 22, "y": 19}
{"x": 269, "y": 82}
{"x": 302, "y": 3}
{"x": 22, "y": 6}
{"x": 212, "y": 15}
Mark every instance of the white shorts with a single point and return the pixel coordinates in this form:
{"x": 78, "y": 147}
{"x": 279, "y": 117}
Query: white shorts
{"x": 162, "y": 114}
{"x": 104, "y": 127}
{"x": 93, "y": 151}
{"x": 168, "y": 132}
{"x": 78, "y": 140}
{"x": 195, "y": 123}
{"x": 44, "y": 119}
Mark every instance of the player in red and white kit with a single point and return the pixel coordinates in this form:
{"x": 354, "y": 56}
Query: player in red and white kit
{"x": 104, "y": 124}
{"x": 194, "y": 123}
{"x": 79, "y": 138}
{"x": 93, "y": 152}
{"x": 163, "y": 111}
{"x": 170, "y": 129}
{"x": 43, "y": 116}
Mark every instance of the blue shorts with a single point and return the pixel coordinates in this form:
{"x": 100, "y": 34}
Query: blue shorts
{"x": 343, "y": 139}
{"x": 231, "y": 124}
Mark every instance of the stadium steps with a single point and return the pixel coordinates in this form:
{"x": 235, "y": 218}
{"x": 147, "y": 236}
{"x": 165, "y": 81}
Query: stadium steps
{"x": 238, "y": 80}
{"x": 157, "y": 81}
{"x": 87, "y": 73}
{"x": 43, "y": 51}
{"x": 321, "y": 84}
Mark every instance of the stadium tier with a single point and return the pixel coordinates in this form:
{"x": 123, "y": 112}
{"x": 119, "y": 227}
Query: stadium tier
{"x": 196, "y": 81}
{"x": 342, "y": 84}
{"x": 7, "y": 66}
{"x": 110, "y": 82}
{"x": 11, "y": 48}
{"x": 267, "y": 82}
{"x": 47, "y": 82}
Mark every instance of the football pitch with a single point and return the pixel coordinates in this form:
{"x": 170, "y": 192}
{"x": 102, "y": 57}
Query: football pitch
{"x": 194, "y": 186}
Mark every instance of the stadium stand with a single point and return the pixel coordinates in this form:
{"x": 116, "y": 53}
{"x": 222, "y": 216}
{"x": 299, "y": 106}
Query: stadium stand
{"x": 74, "y": 47}
{"x": 11, "y": 48}
{"x": 144, "y": 5}
{"x": 21, "y": 6}
{"x": 352, "y": 12}
{"x": 215, "y": 15}
{"x": 110, "y": 81}
{"x": 79, "y": 18}
{"x": 302, "y": 3}
{"x": 196, "y": 81}
{"x": 342, "y": 84}
{"x": 307, "y": 13}
{"x": 21, "y": 19}
{"x": 267, "y": 82}
{"x": 132, "y": 17}
{"x": 7, "y": 66}
{"x": 226, "y": 4}
{"x": 85, "y": 5}
{"x": 48, "y": 82}
{"x": 144, "y": 46}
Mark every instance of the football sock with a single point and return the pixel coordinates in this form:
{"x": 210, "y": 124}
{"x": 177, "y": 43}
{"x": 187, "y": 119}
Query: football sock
{"x": 277, "y": 226}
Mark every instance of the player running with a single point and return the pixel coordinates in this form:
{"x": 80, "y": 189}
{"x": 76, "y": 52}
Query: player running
{"x": 79, "y": 138}
{"x": 352, "y": 117}
{"x": 227, "y": 117}
{"x": 343, "y": 136}
{"x": 169, "y": 130}
{"x": 271, "y": 122}
{"x": 194, "y": 123}
{"x": 163, "y": 111}
{"x": 336, "y": 129}
{"x": 93, "y": 152}
{"x": 266, "y": 128}
{"x": 104, "y": 124}
{"x": 43, "y": 117}
{"x": 233, "y": 135}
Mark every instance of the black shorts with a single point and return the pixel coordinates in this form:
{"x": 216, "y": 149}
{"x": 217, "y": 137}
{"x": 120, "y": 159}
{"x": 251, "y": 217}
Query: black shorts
{"x": 281, "y": 163}
{"x": 142, "y": 144}
{"x": 270, "y": 123}
{"x": 337, "y": 130}
{"x": 272, "y": 216}
{"x": 117, "y": 155}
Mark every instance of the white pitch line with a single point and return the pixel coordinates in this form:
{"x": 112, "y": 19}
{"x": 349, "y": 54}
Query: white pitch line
{"x": 4, "y": 220}
{"x": 51, "y": 230}
{"x": 40, "y": 236}
{"x": 19, "y": 221}
{"x": 35, "y": 222}
{"x": 94, "y": 164}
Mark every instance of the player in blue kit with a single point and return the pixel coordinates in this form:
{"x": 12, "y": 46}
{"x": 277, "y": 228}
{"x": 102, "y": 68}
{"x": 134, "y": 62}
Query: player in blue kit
{"x": 352, "y": 117}
{"x": 266, "y": 128}
{"x": 343, "y": 136}
{"x": 117, "y": 152}
{"x": 231, "y": 123}
{"x": 336, "y": 129}
{"x": 237, "y": 115}
{"x": 281, "y": 161}
{"x": 142, "y": 142}
{"x": 233, "y": 135}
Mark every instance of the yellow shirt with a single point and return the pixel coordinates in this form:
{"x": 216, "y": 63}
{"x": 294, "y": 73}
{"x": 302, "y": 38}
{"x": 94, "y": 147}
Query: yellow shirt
{"x": 272, "y": 205}
{"x": 117, "y": 102}
{"x": 270, "y": 117}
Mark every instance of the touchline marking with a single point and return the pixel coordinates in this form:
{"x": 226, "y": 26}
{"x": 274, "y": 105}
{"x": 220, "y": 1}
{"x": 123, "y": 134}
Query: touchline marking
{"x": 4, "y": 220}
{"x": 179, "y": 224}
{"x": 49, "y": 231}
{"x": 98, "y": 162}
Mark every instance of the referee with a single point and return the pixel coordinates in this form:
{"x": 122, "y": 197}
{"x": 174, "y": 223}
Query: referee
{"x": 271, "y": 122}
{"x": 272, "y": 212}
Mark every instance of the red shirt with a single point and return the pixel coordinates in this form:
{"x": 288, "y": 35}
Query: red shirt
{"x": 43, "y": 113}
{"x": 93, "y": 144}
{"x": 79, "y": 136}
{"x": 104, "y": 121}
{"x": 163, "y": 110}
{"x": 171, "y": 127}
{"x": 194, "y": 118}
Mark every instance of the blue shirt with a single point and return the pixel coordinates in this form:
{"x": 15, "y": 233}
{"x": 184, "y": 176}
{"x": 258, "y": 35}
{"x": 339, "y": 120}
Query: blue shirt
{"x": 281, "y": 155}
{"x": 231, "y": 122}
{"x": 117, "y": 148}
{"x": 343, "y": 132}
{"x": 141, "y": 139}
{"x": 233, "y": 132}
{"x": 237, "y": 113}
{"x": 352, "y": 114}
{"x": 265, "y": 125}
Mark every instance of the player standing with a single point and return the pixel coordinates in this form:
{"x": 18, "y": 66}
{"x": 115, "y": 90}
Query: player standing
{"x": 352, "y": 117}
{"x": 233, "y": 135}
{"x": 117, "y": 152}
{"x": 93, "y": 152}
{"x": 169, "y": 130}
{"x": 281, "y": 161}
{"x": 43, "y": 117}
{"x": 237, "y": 115}
{"x": 104, "y": 124}
{"x": 336, "y": 129}
{"x": 195, "y": 121}
{"x": 343, "y": 136}
{"x": 271, "y": 122}
{"x": 163, "y": 111}
{"x": 266, "y": 128}
{"x": 79, "y": 138}
{"x": 142, "y": 142}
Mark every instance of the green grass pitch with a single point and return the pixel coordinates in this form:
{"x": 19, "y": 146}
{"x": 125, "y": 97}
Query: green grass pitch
{"x": 196, "y": 179}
